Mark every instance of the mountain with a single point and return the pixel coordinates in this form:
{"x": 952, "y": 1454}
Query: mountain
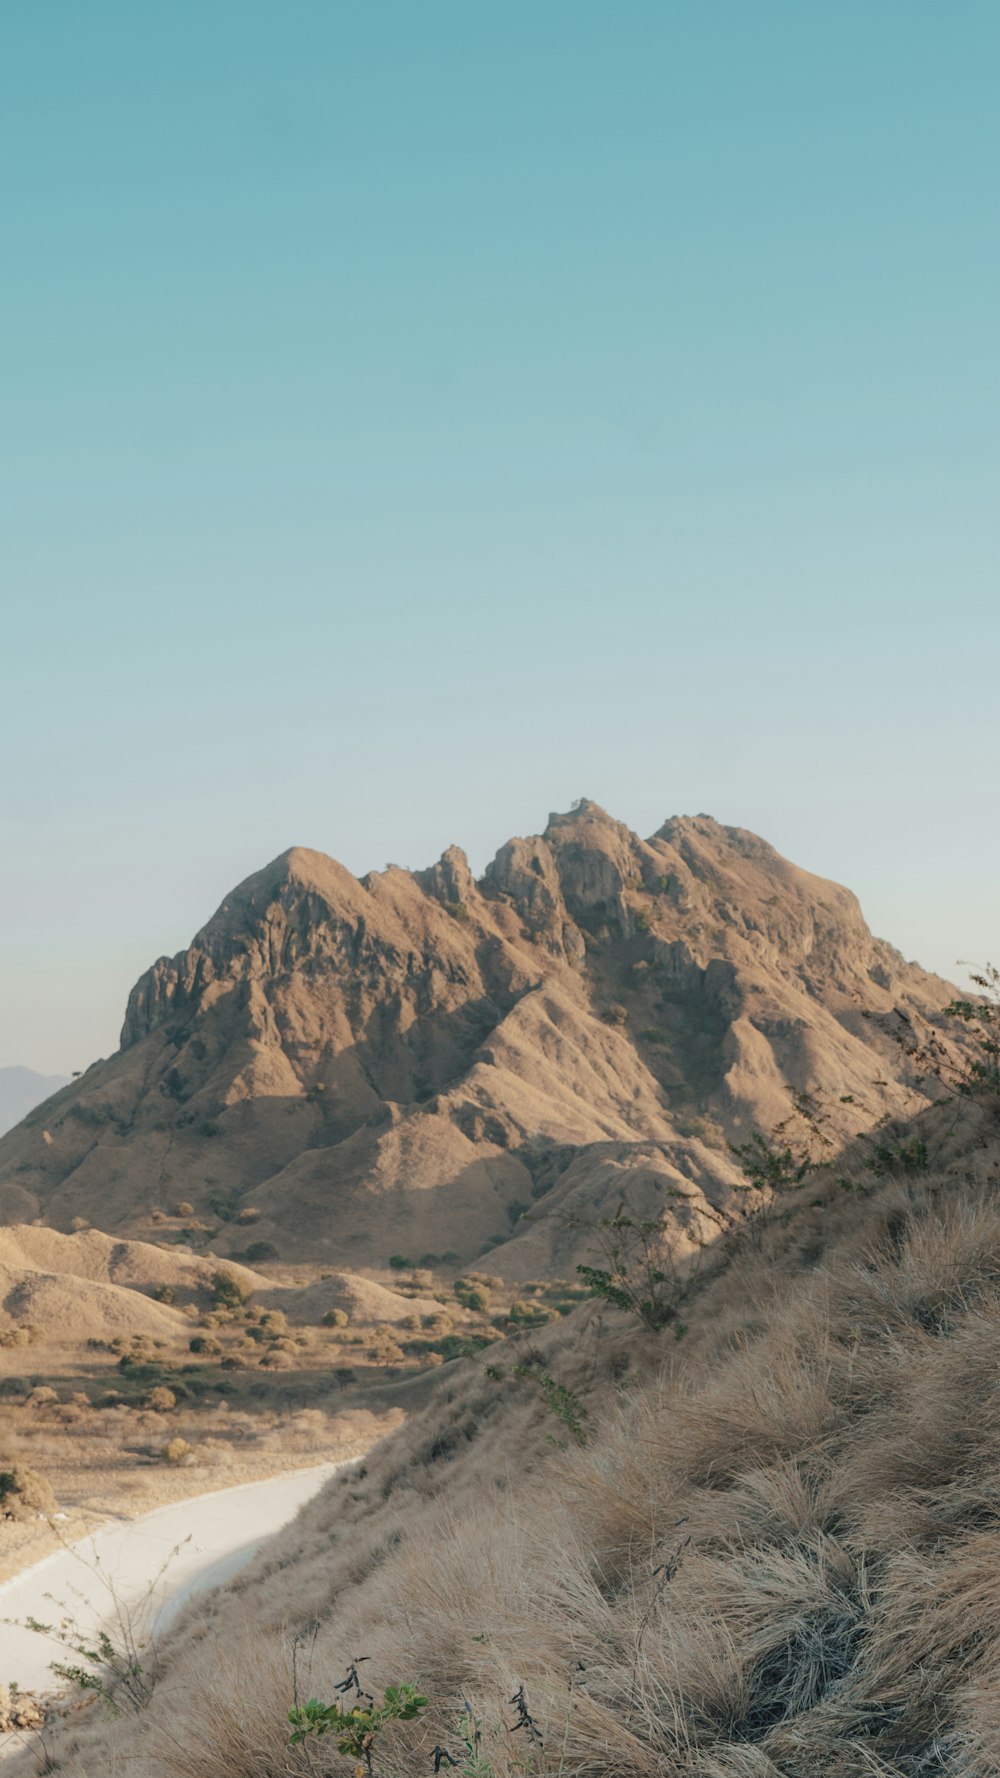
{"x": 21, "y": 1089}
{"x": 421, "y": 1063}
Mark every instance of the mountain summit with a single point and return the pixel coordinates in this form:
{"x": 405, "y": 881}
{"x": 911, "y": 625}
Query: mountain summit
{"x": 419, "y": 1062}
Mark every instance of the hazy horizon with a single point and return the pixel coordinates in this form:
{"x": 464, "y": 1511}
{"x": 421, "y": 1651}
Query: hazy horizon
{"x": 416, "y": 417}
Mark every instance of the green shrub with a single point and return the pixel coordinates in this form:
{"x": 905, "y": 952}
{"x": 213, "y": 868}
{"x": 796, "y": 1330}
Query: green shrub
{"x": 259, "y": 1252}
{"x": 357, "y": 1724}
{"x": 229, "y": 1291}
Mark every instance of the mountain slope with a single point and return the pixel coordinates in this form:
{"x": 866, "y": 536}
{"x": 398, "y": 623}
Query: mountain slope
{"x": 21, "y": 1089}
{"x": 769, "y": 1552}
{"x": 419, "y": 1062}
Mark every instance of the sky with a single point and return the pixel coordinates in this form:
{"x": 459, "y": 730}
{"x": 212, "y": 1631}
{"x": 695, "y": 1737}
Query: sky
{"x": 415, "y": 417}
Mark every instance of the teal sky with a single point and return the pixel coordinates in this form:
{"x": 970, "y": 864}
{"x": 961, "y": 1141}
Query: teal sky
{"x": 416, "y": 415}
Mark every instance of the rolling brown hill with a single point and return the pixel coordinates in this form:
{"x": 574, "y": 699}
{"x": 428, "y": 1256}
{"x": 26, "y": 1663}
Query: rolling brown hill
{"x": 421, "y": 1063}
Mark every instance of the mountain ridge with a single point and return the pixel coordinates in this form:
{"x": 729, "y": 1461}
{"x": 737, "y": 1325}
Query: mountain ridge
{"x": 422, "y": 1059}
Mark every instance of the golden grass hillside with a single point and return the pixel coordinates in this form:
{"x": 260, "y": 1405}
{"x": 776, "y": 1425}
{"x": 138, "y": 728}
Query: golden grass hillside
{"x": 775, "y": 1555}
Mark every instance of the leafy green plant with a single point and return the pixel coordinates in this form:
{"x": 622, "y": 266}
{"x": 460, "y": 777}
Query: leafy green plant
{"x": 560, "y": 1400}
{"x": 356, "y": 1724}
{"x": 887, "y": 1158}
{"x": 117, "y": 1663}
{"x": 639, "y": 1274}
{"x": 471, "y": 1762}
{"x": 768, "y": 1167}
{"x": 981, "y": 1071}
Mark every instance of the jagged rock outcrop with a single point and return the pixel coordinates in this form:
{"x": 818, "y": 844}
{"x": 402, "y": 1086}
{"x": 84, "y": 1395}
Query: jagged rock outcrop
{"x": 420, "y": 1062}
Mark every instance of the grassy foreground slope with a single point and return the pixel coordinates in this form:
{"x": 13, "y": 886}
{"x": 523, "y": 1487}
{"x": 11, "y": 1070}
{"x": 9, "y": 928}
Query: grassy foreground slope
{"x": 777, "y": 1552}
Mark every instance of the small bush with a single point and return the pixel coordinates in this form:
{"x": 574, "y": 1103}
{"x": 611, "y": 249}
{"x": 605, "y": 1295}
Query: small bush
{"x": 24, "y": 1491}
{"x": 229, "y": 1291}
{"x": 259, "y": 1252}
{"x": 176, "y": 1451}
{"x": 160, "y": 1399}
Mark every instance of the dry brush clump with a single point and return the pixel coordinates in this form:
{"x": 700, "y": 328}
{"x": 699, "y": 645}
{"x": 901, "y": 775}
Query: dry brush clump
{"x": 771, "y": 1554}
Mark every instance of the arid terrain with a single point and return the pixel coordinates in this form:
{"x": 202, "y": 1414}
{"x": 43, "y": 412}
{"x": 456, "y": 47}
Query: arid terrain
{"x": 133, "y": 1374}
{"x": 418, "y": 1064}
{"x": 632, "y": 1216}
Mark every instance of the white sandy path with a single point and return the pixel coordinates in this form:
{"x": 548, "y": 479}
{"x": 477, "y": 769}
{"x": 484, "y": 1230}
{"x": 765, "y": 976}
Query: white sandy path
{"x": 124, "y": 1561}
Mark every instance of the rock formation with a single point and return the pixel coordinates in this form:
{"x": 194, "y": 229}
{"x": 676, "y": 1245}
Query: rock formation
{"x": 419, "y": 1063}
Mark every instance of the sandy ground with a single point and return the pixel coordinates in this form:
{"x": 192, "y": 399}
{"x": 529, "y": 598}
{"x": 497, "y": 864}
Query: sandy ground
{"x": 147, "y": 1567}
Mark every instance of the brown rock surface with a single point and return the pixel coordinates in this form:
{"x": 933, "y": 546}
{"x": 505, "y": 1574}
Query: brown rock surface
{"x": 421, "y": 1063}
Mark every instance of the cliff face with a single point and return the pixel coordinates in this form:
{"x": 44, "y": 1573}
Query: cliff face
{"x": 420, "y": 1062}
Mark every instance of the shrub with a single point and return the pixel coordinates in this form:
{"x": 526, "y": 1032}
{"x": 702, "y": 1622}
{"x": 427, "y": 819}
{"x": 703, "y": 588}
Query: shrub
{"x": 399, "y": 1263}
{"x": 24, "y": 1491}
{"x": 639, "y": 1275}
{"x": 358, "y": 1722}
{"x": 259, "y": 1252}
{"x": 229, "y": 1291}
{"x": 472, "y": 1296}
{"x": 176, "y": 1451}
{"x": 160, "y": 1399}
{"x": 562, "y": 1402}
{"x": 767, "y": 1167}
{"x": 887, "y": 1158}
{"x": 184, "y": 1208}
{"x": 335, "y": 1318}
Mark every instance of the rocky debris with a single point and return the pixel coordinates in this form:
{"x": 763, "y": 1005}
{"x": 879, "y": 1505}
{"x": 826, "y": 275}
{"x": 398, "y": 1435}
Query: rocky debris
{"x": 19, "y": 1710}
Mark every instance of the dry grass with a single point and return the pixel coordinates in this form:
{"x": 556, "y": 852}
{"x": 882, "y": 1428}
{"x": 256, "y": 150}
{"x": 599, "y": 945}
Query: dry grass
{"x": 776, "y": 1557}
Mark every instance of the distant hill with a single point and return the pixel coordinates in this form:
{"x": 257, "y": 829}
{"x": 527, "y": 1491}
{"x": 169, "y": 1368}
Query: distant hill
{"x": 421, "y": 1063}
{"x": 21, "y": 1089}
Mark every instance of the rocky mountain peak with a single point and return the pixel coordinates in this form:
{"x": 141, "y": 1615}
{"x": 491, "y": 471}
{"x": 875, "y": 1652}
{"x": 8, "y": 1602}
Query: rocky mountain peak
{"x": 397, "y": 1061}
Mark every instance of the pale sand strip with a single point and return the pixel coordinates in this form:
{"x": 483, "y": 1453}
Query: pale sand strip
{"x": 213, "y": 1535}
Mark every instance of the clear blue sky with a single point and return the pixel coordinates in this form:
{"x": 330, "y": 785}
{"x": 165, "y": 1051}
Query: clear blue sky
{"x": 415, "y": 416}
